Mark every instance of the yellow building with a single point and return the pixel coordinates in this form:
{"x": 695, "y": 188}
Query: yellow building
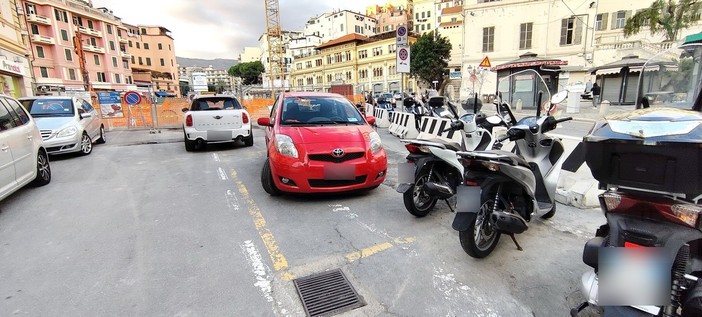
{"x": 367, "y": 63}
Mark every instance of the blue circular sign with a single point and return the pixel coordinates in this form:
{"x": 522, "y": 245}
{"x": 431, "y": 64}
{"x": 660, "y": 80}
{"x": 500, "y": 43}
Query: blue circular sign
{"x": 132, "y": 98}
{"x": 401, "y": 31}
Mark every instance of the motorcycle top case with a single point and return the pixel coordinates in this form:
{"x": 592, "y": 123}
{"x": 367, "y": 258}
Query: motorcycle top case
{"x": 653, "y": 149}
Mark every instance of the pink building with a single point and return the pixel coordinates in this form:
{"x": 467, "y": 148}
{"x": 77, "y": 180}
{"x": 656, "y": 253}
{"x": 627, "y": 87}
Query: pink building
{"x": 52, "y": 27}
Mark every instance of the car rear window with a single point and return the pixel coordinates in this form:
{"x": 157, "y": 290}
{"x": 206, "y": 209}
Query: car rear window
{"x": 202, "y": 104}
{"x": 49, "y": 107}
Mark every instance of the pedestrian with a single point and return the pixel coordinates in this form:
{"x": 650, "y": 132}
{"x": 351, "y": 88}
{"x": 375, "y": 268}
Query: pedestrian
{"x": 595, "y": 95}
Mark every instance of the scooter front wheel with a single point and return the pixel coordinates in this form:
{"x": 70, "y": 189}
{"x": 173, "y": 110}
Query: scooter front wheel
{"x": 416, "y": 200}
{"x": 481, "y": 237}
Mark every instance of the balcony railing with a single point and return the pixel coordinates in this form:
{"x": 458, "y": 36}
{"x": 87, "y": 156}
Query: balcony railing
{"x": 88, "y": 31}
{"x": 125, "y": 54}
{"x": 93, "y": 48}
{"x": 36, "y": 38}
{"x": 38, "y": 19}
{"x": 123, "y": 40}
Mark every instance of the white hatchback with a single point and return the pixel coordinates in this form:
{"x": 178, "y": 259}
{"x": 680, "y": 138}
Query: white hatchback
{"x": 23, "y": 159}
{"x": 216, "y": 119}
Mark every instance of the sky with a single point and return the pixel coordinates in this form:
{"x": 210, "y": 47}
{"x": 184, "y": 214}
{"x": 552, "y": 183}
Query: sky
{"x": 212, "y": 29}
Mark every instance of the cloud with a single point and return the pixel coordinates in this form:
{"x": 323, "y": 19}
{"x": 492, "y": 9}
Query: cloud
{"x": 220, "y": 28}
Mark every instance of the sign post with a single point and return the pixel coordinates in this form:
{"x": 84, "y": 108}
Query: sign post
{"x": 402, "y": 48}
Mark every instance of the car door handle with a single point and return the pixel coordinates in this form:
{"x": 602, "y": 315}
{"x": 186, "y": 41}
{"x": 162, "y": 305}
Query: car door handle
{"x": 30, "y": 137}
{"x": 5, "y": 148}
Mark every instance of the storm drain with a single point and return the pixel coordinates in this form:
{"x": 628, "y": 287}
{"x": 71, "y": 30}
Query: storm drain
{"x": 327, "y": 294}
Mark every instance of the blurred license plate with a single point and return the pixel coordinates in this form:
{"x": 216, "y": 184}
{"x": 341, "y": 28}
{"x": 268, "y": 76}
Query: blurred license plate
{"x": 405, "y": 173}
{"x": 339, "y": 172}
{"x": 219, "y": 135}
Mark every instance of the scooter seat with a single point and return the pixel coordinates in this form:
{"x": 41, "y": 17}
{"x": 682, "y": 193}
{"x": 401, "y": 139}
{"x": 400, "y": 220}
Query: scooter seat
{"x": 513, "y": 158}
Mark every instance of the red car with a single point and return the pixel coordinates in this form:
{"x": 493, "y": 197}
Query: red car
{"x": 320, "y": 143}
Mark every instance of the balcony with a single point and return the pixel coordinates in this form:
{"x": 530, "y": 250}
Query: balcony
{"x": 88, "y": 31}
{"x": 93, "y": 48}
{"x": 35, "y": 18}
{"x": 125, "y": 55}
{"x": 123, "y": 40}
{"x": 36, "y": 38}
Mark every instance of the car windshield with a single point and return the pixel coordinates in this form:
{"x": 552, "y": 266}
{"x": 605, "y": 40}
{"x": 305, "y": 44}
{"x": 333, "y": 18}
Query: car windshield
{"x": 49, "y": 107}
{"x": 387, "y": 96}
{"x": 214, "y": 103}
{"x": 319, "y": 110}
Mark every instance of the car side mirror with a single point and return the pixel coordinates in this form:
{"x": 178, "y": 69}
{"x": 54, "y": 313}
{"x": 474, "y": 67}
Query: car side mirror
{"x": 371, "y": 120}
{"x": 184, "y": 109}
{"x": 265, "y": 122}
{"x": 85, "y": 115}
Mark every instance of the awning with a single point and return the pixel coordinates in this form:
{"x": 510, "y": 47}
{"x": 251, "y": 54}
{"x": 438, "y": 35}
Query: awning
{"x": 632, "y": 69}
{"x": 161, "y": 94}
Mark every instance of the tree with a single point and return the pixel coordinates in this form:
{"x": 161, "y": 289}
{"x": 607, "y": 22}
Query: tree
{"x": 220, "y": 86}
{"x": 250, "y": 72}
{"x": 430, "y": 55}
{"x": 665, "y": 16}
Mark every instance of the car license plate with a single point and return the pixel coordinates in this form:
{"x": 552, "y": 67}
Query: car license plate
{"x": 339, "y": 172}
{"x": 219, "y": 135}
{"x": 405, "y": 173}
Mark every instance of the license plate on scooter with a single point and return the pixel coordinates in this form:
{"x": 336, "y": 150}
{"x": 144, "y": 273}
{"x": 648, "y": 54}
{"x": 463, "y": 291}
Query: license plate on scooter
{"x": 405, "y": 173}
{"x": 468, "y": 199}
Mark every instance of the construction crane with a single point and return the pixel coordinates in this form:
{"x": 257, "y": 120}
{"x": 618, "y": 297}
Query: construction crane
{"x": 274, "y": 34}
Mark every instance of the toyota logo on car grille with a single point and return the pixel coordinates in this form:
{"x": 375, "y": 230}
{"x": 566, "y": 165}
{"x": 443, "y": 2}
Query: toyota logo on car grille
{"x": 338, "y": 152}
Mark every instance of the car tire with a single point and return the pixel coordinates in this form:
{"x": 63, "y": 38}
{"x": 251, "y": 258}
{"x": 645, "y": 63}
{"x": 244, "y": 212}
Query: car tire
{"x": 189, "y": 145}
{"x": 86, "y": 144}
{"x": 43, "y": 170}
{"x": 267, "y": 180}
{"x": 102, "y": 139}
{"x": 248, "y": 141}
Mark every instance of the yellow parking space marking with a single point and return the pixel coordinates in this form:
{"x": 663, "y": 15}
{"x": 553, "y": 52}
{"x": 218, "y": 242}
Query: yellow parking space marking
{"x": 366, "y": 252}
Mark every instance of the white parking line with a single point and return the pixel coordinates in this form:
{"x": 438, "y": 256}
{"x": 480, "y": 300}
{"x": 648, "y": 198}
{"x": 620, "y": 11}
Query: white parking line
{"x": 222, "y": 174}
{"x": 263, "y": 282}
{"x": 232, "y": 200}
{"x": 215, "y": 157}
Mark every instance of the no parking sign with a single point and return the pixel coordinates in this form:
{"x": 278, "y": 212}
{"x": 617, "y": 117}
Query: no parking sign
{"x": 403, "y": 59}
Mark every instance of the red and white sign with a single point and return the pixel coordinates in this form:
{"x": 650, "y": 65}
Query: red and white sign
{"x": 403, "y": 59}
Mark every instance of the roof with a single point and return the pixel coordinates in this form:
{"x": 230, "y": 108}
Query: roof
{"x": 346, "y": 38}
{"x": 630, "y": 61}
{"x": 452, "y": 10}
{"x": 46, "y": 97}
{"x": 530, "y": 59}
{"x": 311, "y": 94}
{"x": 448, "y": 24}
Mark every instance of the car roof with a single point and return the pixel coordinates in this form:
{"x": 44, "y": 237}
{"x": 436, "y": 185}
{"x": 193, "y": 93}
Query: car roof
{"x": 213, "y": 96}
{"x": 46, "y": 97}
{"x": 311, "y": 94}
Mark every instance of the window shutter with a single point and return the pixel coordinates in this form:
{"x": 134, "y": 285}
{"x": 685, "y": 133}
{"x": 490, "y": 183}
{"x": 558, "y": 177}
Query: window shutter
{"x": 578, "y": 32}
{"x": 614, "y": 20}
{"x": 605, "y": 16}
{"x": 564, "y": 31}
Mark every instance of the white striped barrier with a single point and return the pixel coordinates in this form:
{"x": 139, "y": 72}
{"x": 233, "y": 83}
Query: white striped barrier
{"x": 432, "y": 128}
{"x": 405, "y": 126}
{"x": 382, "y": 118}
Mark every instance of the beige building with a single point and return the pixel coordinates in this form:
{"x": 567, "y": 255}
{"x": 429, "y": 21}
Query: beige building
{"x": 585, "y": 36}
{"x": 153, "y": 58}
{"x": 426, "y": 13}
{"x": 250, "y": 54}
{"x": 15, "y": 69}
{"x": 219, "y": 79}
{"x": 367, "y": 63}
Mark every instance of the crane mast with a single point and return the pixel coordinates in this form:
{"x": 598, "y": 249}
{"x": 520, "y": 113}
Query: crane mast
{"x": 274, "y": 34}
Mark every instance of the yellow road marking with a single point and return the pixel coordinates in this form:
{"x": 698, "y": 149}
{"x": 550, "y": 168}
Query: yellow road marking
{"x": 366, "y": 252}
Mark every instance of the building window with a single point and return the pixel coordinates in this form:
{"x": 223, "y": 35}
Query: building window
{"x": 90, "y": 25}
{"x": 489, "y": 39}
{"x": 125, "y": 64}
{"x": 130, "y": 43}
{"x": 61, "y": 16}
{"x": 71, "y": 74}
{"x": 143, "y": 31}
{"x": 44, "y": 72}
{"x": 172, "y": 63}
{"x": 146, "y": 46}
{"x": 169, "y": 47}
{"x": 118, "y": 79}
{"x": 114, "y": 62}
{"x": 64, "y": 35}
{"x": 97, "y": 59}
{"x": 348, "y": 75}
{"x": 69, "y": 54}
{"x": 133, "y": 60}
{"x": 128, "y": 80}
{"x": 112, "y": 45}
{"x": 571, "y": 31}
{"x": 77, "y": 21}
{"x": 31, "y": 9}
{"x": 620, "y": 20}
{"x": 140, "y": 61}
{"x": 525, "y": 32}
{"x": 40, "y": 52}
{"x": 119, "y": 32}
{"x": 138, "y": 45}
{"x": 148, "y": 61}
{"x": 92, "y": 42}
{"x": 160, "y": 46}
{"x": 601, "y": 21}
{"x": 35, "y": 29}
{"x": 362, "y": 54}
{"x": 101, "y": 77}
{"x": 109, "y": 29}
{"x": 329, "y": 78}
{"x": 163, "y": 62}
{"x": 391, "y": 48}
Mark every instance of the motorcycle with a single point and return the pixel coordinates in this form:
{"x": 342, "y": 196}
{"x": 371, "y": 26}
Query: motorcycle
{"x": 647, "y": 163}
{"x": 439, "y": 108}
{"x": 504, "y": 189}
{"x": 432, "y": 171}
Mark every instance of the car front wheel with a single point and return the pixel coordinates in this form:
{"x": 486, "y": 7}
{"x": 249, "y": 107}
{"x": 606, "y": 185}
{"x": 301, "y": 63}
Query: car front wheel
{"x": 43, "y": 170}
{"x": 86, "y": 144}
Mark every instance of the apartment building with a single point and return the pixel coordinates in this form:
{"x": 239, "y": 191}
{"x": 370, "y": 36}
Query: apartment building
{"x": 15, "y": 70}
{"x": 367, "y": 63}
{"x": 152, "y": 56}
{"x": 70, "y": 40}
{"x": 250, "y": 54}
{"x": 584, "y": 36}
{"x": 219, "y": 79}
{"x": 426, "y": 13}
{"x": 286, "y": 60}
{"x": 390, "y": 17}
{"x": 333, "y": 25}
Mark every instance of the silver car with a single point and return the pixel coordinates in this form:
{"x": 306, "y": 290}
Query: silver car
{"x": 67, "y": 124}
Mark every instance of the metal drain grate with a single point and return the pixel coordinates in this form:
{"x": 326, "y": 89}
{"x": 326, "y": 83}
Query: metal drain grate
{"x": 327, "y": 293}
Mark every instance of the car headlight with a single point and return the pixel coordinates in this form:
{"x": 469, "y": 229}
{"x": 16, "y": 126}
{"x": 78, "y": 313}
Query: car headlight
{"x": 375, "y": 142}
{"x": 70, "y": 131}
{"x": 285, "y": 145}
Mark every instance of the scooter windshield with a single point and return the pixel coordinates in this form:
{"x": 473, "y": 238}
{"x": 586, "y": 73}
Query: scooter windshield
{"x": 671, "y": 78}
{"x": 525, "y": 88}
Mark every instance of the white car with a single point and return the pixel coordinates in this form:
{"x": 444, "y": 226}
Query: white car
{"x": 216, "y": 119}
{"x": 67, "y": 124}
{"x": 23, "y": 159}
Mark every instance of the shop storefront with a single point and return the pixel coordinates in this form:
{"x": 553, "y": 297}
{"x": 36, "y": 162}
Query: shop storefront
{"x": 11, "y": 78}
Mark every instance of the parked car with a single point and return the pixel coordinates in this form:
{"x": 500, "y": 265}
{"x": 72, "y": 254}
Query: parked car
{"x": 320, "y": 143}
{"x": 398, "y": 98}
{"x": 67, "y": 124}
{"x": 23, "y": 158}
{"x": 215, "y": 119}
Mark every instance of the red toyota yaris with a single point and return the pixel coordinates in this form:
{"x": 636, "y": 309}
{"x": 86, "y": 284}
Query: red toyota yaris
{"x": 320, "y": 143}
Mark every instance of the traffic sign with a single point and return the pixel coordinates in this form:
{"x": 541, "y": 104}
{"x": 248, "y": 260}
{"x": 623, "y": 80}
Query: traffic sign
{"x": 485, "y": 62}
{"x": 132, "y": 98}
{"x": 401, "y": 33}
{"x": 403, "y": 59}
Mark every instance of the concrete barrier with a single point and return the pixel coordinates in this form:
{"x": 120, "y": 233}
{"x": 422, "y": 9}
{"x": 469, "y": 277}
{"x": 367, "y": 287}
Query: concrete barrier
{"x": 432, "y": 128}
{"x": 382, "y": 118}
{"x": 404, "y": 126}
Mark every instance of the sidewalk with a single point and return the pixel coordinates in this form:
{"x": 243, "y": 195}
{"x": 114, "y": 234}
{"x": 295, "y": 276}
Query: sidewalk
{"x": 136, "y": 136}
{"x": 586, "y": 112}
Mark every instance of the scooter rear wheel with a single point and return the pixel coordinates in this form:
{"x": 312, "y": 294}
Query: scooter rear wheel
{"x": 418, "y": 202}
{"x": 481, "y": 237}
{"x": 550, "y": 213}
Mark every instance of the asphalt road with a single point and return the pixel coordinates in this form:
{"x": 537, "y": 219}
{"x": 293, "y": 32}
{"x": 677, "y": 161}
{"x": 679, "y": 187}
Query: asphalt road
{"x": 153, "y": 230}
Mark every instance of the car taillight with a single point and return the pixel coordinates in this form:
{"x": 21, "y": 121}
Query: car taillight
{"x": 189, "y": 120}
{"x": 244, "y": 118}
{"x": 674, "y": 210}
{"x": 416, "y": 149}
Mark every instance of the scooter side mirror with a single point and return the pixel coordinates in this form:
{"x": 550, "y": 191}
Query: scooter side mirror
{"x": 494, "y": 120}
{"x": 559, "y": 97}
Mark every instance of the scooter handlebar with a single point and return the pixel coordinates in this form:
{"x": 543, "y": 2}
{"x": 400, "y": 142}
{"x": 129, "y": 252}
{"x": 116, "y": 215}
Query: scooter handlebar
{"x": 564, "y": 119}
{"x": 456, "y": 125}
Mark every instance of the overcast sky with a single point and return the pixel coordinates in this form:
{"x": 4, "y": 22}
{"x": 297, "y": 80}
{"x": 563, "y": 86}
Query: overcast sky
{"x": 220, "y": 28}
